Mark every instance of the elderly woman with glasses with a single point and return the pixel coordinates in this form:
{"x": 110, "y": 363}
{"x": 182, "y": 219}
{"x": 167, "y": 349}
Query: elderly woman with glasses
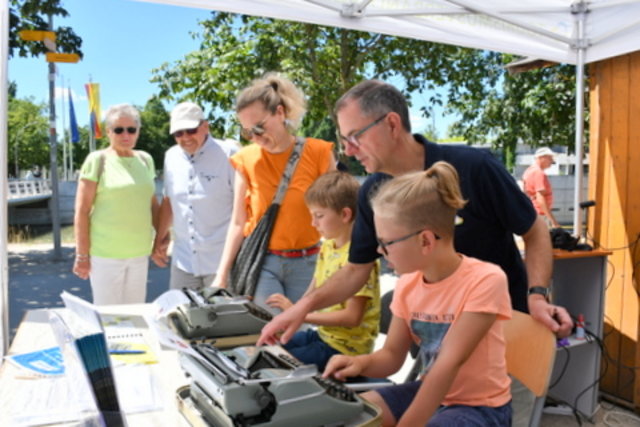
{"x": 115, "y": 213}
{"x": 269, "y": 111}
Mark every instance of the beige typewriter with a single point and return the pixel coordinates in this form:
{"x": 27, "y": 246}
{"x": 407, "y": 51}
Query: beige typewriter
{"x": 265, "y": 386}
{"x": 215, "y": 313}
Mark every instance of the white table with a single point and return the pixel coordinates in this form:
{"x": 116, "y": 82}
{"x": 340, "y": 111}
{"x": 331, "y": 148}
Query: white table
{"x": 35, "y": 333}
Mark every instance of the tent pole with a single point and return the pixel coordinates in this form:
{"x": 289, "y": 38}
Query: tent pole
{"x": 580, "y": 12}
{"x": 4, "y": 105}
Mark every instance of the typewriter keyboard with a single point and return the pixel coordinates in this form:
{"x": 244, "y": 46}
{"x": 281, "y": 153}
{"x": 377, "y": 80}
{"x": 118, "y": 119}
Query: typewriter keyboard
{"x": 336, "y": 389}
{"x": 259, "y": 312}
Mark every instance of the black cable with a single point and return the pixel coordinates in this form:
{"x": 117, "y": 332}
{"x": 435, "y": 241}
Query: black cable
{"x": 597, "y": 244}
{"x": 564, "y": 368}
{"x": 594, "y": 383}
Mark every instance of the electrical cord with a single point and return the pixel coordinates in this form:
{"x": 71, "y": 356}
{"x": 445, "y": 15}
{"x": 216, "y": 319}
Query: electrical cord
{"x": 593, "y": 338}
{"x": 608, "y": 422}
{"x": 564, "y": 368}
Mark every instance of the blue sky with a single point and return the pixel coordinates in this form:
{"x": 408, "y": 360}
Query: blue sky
{"x": 123, "y": 40}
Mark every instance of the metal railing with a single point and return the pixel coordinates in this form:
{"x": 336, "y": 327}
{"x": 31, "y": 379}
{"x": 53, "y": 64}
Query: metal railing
{"x": 29, "y": 189}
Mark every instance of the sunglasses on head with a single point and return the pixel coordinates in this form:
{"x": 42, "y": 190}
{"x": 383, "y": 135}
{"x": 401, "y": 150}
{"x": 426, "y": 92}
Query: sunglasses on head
{"x": 179, "y": 133}
{"x": 254, "y": 130}
{"x": 131, "y": 130}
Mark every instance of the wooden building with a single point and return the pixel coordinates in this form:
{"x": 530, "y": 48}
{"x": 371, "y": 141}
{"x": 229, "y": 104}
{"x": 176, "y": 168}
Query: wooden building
{"x": 614, "y": 223}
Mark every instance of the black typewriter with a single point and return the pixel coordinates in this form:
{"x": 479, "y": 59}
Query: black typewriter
{"x": 265, "y": 386}
{"x": 215, "y": 313}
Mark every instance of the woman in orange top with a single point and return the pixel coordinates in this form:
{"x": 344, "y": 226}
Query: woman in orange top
{"x": 269, "y": 111}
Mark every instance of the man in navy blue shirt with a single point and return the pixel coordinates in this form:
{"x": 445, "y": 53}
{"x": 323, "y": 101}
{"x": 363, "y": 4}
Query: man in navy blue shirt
{"x": 374, "y": 122}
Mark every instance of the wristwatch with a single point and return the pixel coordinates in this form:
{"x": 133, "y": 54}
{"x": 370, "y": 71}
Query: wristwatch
{"x": 539, "y": 290}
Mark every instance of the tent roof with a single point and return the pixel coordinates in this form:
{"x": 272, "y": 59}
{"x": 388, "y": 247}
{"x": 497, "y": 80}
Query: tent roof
{"x": 542, "y": 29}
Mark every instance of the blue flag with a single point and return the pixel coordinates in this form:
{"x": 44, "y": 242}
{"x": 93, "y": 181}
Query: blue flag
{"x": 73, "y": 123}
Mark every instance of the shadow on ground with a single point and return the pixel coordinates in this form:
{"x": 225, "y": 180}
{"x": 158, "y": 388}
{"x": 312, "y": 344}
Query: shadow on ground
{"x": 36, "y": 280}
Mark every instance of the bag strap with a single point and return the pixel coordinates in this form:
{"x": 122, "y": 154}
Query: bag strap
{"x": 103, "y": 154}
{"x": 101, "y": 165}
{"x": 289, "y": 170}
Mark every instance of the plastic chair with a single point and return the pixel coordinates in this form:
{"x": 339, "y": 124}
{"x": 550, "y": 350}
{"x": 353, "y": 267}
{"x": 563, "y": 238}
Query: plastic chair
{"x": 531, "y": 352}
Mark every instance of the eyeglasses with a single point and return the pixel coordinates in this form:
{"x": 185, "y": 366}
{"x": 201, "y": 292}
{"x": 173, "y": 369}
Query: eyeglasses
{"x": 130, "y": 130}
{"x": 385, "y": 245}
{"x": 255, "y": 130}
{"x": 353, "y": 138}
{"x": 179, "y": 133}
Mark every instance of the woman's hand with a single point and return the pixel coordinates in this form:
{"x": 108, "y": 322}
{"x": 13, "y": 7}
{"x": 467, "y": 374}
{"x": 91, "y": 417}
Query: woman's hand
{"x": 82, "y": 266}
{"x": 159, "y": 253}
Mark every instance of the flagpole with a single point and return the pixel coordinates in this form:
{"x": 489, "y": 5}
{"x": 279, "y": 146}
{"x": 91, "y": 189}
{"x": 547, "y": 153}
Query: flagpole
{"x": 54, "y": 204}
{"x": 74, "y": 133}
{"x": 71, "y": 171}
{"x": 64, "y": 127}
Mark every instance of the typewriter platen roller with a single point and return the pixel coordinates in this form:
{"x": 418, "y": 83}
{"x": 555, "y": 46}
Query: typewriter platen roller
{"x": 265, "y": 386}
{"x": 215, "y": 313}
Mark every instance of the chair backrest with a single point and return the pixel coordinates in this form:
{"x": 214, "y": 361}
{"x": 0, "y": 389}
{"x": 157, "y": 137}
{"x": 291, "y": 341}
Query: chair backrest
{"x": 531, "y": 352}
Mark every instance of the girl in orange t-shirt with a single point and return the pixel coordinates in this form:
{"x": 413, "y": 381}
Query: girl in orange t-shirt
{"x": 269, "y": 111}
{"x": 448, "y": 304}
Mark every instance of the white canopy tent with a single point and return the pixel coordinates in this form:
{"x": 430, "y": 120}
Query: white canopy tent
{"x": 574, "y": 32}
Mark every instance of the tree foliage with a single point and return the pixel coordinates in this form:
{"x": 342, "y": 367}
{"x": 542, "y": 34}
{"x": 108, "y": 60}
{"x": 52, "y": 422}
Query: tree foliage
{"x": 493, "y": 107}
{"x": 34, "y": 15}
{"x": 28, "y": 135}
{"x": 323, "y": 61}
{"x": 154, "y": 134}
{"x": 536, "y": 108}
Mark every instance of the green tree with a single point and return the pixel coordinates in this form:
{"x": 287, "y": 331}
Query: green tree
{"x": 34, "y": 15}
{"x": 28, "y": 135}
{"x": 323, "y": 61}
{"x": 536, "y": 107}
{"x": 154, "y": 134}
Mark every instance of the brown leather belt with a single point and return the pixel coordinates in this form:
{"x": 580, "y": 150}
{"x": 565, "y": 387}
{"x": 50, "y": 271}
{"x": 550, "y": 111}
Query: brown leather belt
{"x": 296, "y": 253}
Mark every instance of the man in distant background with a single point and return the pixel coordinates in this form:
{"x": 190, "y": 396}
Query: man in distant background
{"x": 34, "y": 173}
{"x": 537, "y": 186}
{"x": 198, "y": 199}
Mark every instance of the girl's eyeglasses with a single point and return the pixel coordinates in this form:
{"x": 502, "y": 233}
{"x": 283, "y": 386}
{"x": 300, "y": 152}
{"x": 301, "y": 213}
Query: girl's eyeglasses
{"x": 385, "y": 245}
{"x": 130, "y": 130}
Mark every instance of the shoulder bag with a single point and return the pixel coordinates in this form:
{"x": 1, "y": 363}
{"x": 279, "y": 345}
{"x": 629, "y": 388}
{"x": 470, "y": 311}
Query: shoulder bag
{"x": 247, "y": 266}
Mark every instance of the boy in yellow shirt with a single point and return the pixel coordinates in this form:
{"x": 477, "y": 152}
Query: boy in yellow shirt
{"x": 350, "y": 327}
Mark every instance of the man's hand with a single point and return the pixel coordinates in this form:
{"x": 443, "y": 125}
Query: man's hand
{"x": 285, "y": 323}
{"x": 556, "y": 318}
{"x": 279, "y": 301}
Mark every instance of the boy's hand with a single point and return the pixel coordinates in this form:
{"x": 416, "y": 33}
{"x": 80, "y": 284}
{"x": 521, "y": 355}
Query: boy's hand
{"x": 279, "y": 301}
{"x": 341, "y": 367}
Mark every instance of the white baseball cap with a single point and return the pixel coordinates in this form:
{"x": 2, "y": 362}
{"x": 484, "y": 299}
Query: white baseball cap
{"x": 544, "y": 151}
{"x": 186, "y": 115}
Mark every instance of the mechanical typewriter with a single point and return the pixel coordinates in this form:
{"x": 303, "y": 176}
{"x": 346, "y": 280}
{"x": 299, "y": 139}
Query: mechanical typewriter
{"x": 265, "y": 386}
{"x": 216, "y": 312}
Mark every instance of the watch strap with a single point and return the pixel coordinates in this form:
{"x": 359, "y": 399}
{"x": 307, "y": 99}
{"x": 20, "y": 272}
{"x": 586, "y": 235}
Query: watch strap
{"x": 539, "y": 290}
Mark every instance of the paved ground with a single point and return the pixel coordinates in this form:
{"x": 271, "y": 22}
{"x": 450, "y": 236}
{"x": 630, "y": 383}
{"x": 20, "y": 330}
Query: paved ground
{"x": 36, "y": 281}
